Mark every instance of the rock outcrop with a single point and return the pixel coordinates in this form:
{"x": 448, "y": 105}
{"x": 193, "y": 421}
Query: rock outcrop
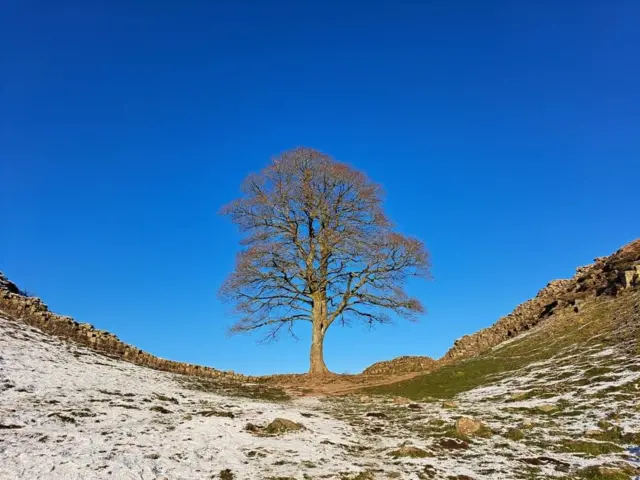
{"x": 607, "y": 276}
{"x": 34, "y": 312}
{"x": 401, "y": 365}
{"x": 8, "y": 286}
{"x": 610, "y": 275}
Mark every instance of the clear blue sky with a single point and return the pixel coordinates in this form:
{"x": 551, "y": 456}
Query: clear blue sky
{"x": 507, "y": 135}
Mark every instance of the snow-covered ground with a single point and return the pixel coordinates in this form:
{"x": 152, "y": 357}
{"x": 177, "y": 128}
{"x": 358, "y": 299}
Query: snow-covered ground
{"x": 69, "y": 413}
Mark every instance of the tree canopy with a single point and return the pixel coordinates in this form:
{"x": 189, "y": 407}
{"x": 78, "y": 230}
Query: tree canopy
{"x": 318, "y": 248}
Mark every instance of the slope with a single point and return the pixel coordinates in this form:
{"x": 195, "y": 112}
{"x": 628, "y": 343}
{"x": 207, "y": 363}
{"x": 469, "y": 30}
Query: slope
{"x": 557, "y": 399}
{"x": 68, "y": 412}
{"x": 570, "y": 345}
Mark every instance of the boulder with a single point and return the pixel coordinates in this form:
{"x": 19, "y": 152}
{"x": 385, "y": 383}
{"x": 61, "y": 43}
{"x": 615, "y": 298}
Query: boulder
{"x": 468, "y": 426}
{"x": 8, "y": 285}
{"x": 409, "y": 451}
{"x": 628, "y": 278}
{"x": 282, "y": 425}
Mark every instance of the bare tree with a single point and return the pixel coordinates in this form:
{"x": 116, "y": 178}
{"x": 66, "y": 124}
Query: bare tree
{"x": 318, "y": 248}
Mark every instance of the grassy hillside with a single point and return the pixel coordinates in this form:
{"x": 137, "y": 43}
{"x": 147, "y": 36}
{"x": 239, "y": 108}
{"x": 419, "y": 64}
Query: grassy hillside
{"x": 566, "y": 339}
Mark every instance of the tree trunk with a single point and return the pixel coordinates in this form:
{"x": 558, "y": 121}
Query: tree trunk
{"x": 317, "y": 365}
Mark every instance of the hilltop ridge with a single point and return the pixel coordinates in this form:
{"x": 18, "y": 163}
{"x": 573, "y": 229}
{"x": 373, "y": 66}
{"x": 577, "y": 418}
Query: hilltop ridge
{"x": 606, "y": 276}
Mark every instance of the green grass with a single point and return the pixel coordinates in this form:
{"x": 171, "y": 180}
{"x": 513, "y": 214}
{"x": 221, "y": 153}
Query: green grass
{"x": 533, "y": 393}
{"x": 226, "y": 474}
{"x": 597, "y": 371}
{"x": 514, "y": 434}
{"x": 616, "y": 434}
{"x": 453, "y": 379}
{"x": 565, "y": 330}
{"x": 596, "y": 473}
{"x": 589, "y": 448}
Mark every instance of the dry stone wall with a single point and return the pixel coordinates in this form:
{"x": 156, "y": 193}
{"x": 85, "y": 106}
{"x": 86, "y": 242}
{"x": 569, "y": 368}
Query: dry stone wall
{"x": 34, "y": 312}
{"x": 607, "y": 276}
